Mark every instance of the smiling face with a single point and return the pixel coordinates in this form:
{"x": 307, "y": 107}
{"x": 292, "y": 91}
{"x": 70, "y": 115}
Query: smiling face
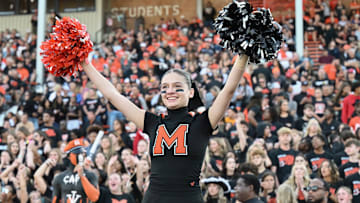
{"x": 175, "y": 92}
{"x": 114, "y": 182}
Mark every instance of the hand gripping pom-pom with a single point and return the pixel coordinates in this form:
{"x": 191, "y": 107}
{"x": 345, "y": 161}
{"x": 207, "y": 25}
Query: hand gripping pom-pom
{"x": 244, "y": 31}
{"x": 68, "y": 46}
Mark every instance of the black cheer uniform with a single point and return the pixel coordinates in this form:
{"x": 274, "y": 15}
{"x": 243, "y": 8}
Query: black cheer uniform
{"x": 177, "y": 148}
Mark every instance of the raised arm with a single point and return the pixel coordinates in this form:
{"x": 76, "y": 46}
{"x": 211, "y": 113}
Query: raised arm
{"x": 130, "y": 110}
{"x": 222, "y": 101}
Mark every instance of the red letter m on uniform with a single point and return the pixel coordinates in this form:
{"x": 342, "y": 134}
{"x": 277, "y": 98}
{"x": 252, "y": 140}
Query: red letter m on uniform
{"x": 178, "y": 137}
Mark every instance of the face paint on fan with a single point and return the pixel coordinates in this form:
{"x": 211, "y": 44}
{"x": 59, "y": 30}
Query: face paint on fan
{"x": 163, "y": 92}
{"x": 179, "y": 90}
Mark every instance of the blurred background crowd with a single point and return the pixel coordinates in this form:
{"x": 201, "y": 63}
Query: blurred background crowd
{"x": 290, "y": 119}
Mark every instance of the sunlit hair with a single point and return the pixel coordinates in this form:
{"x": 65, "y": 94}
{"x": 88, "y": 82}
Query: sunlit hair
{"x": 182, "y": 73}
{"x": 285, "y": 194}
{"x": 255, "y": 148}
{"x": 313, "y": 121}
{"x": 291, "y": 180}
{"x": 224, "y": 146}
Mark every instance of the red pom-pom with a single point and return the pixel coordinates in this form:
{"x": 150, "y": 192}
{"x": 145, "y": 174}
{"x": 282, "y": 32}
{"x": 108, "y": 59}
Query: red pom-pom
{"x": 68, "y": 46}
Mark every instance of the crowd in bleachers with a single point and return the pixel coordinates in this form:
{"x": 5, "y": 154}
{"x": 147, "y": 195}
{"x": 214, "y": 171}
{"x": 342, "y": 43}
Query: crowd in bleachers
{"x": 288, "y": 122}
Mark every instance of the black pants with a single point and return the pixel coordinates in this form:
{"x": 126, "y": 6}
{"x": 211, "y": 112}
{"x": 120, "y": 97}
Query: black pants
{"x": 156, "y": 197}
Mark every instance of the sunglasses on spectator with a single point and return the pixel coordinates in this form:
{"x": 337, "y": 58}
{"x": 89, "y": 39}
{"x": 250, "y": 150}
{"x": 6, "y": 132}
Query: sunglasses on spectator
{"x": 313, "y": 188}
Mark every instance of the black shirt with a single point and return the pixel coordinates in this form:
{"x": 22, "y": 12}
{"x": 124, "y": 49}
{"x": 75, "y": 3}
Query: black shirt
{"x": 301, "y": 124}
{"x": 300, "y": 107}
{"x": 254, "y": 200}
{"x": 341, "y": 158}
{"x": 348, "y": 169}
{"x": 286, "y": 121}
{"x": 54, "y": 134}
{"x": 353, "y": 182}
{"x": 283, "y": 160}
{"x": 92, "y": 104}
{"x": 126, "y": 198}
{"x": 177, "y": 148}
{"x": 315, "y": 160}
{"x": 328, "y": 128}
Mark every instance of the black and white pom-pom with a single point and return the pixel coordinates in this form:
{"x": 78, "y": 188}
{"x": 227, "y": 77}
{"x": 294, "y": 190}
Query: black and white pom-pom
{"x": 245, "y": 31}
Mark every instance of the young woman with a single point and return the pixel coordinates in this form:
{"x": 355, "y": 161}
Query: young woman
{"x": 330, "y": 174}
{"x": 268, "y": 187}
{"x": 216, "y": 154}
{"x": 285, "y": 118}
{"x": 285, "y": 194}
{"x": 298, "y": 180}
{"x": 175, "y": 168}
{"x": 229, "y": 172}
{"x": 320, "y": 105}
{"x": 106, "y": 147}
{"x": 215, "y": 189}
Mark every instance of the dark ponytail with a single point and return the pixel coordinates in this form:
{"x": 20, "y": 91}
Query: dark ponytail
{"x": 196, "y": 101}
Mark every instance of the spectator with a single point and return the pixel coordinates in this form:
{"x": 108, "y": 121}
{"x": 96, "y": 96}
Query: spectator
{"x": 229, "y": 171}
{"x": 344, "y": 195}
{"x": 283, "y": 158}
{"x": 319, "y": 153}
{"x": 209, "y": 13}
{"x": 318, "y": 191}
{"x": 268, "y": 187}
{"x": 247, "y": 189}
{"x": 330, "y": 174}
{"x": 285, "y": 194}
{"x": 215, "y": 189}
{"x": 352, "y": 147}
{"x": 298, "y": 180}
{"x": 349, "y": 101}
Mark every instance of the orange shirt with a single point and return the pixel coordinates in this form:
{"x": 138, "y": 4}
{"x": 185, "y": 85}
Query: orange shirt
{"x": 330, "y": 70}
{"x": 98, "y": 64}
{"x": 24, "y": 73}
{"x": 145, "y": 65}
{"x": 115, "y": 66}
{"x": 2, "y": 90}
{"x": 355, "y": 123}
